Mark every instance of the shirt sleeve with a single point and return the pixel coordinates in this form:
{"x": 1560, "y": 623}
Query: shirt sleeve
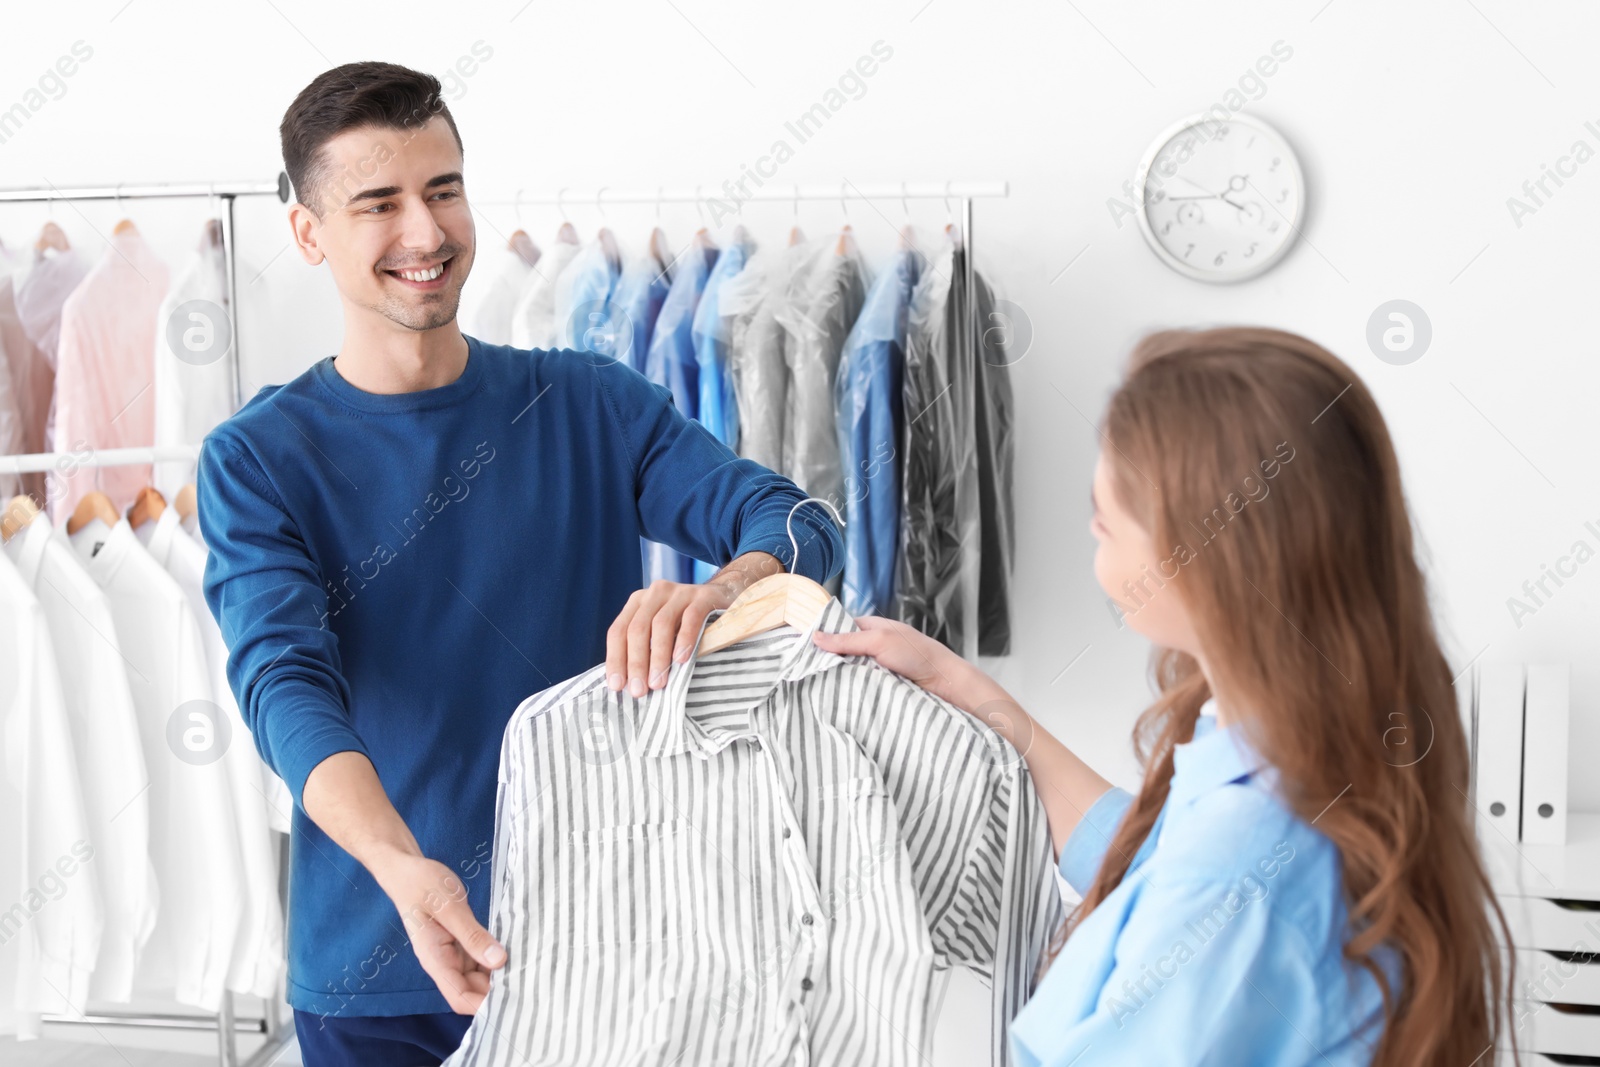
{"x": 266, "y": 594}
{"x": 1081, "y": 856}
{"x": 1205, "y": 973}
{"x": 697, "y": 496}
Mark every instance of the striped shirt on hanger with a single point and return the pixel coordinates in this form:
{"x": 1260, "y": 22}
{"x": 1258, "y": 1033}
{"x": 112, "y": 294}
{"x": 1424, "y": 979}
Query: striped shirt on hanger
{"x": 764, "y": 862}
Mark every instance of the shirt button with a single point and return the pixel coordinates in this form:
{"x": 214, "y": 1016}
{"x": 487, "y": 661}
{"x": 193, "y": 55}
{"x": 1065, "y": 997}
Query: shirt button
{"x": 805, "y": 984}
{"x": 785, "y": 831}
{"x": 806, "y": 918}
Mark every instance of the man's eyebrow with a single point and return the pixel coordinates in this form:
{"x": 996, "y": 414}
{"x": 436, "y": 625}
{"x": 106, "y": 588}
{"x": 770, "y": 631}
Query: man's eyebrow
{"x": 452, "y": 178}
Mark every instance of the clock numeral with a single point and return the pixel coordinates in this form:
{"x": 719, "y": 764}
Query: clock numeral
{"x": 1167, "y": 228}
{"x": 1251, "y": 250}
{"x": 1283, "y": 196}
{"x": 1275, "y": 161}
{"x": 1186, "y": 251}
{"x": 1272, "y": 227}
{"x": 1220, "y": 257}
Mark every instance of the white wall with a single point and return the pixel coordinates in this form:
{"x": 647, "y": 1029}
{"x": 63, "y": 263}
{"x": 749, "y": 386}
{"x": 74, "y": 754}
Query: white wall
{"x": 1415, "y": 122}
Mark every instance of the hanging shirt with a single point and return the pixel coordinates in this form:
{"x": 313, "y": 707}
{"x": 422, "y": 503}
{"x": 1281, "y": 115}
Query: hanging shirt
{"x": 868, "y": 396}
{"x": 50, "y": 930}
{"x": 833, "y": 288}
{"x": 397, "y": 572}
{"x": 105, "y": 737}
{"x": 533, "y": 320}
{"x": 41, "y": 292}
{"x": 641, "y": 290}
{"x": 757, "y": 299}
{"x": 192, "y": 827}
{"x": 937, "y": 582}
{"x": 194, "y": 354}
{"x": 489, "y": 297}
{"x": 766, "y": 861}
{"x": 1223, "y": 944}
{"x": 257, "y": 960}
{"x": 106, "y": 366}
{"x": 716, "y": 407}
{"x": 13, "y": 430}
{"x": 32, "y": 384}
{"x": 672, "y": 364}
{"x": 583, "y": 301}
{"x": 994, "y": 440}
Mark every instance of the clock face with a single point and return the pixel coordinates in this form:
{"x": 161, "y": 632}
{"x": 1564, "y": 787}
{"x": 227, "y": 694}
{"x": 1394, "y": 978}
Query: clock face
{"x": 1223, "y": 199}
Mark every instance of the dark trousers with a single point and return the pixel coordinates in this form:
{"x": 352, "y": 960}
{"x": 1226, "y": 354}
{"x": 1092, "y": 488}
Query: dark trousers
{"x": 378, "y": 1040}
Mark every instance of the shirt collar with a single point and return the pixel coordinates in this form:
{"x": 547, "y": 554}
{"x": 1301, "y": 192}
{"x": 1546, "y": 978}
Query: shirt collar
{"x": 665, "y": 726}
{"x": 26, "y": 549}
{"x": 103, "y": 564}
{"x": 158, "y": 534}
{"x": 1217, "y": 756}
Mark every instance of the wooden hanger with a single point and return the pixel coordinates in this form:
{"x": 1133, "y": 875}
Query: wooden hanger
{"x": 567, "y": 234}
{"x": 147, "y": 507}
{"x": 210, "y": 235}
{"x": 20, "y": 510}
{"x": 523, "y": 245}
{"x": 846, "y": 237}
{"x": 795, "y": 236}
{"x": 660, "y": 248}
{"x": 774, "y": 601}
{"x": 94, "y": 505}
{"x": 702, "y": 238}
{"x": 124, "y": 226}
{"x": 908, "y": 238}
{"x": 186, "y": 502}
{"x": 608, "y": 245}
{"x": 51, "y": 236}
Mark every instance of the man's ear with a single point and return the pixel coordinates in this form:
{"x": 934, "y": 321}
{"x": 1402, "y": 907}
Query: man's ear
{"x": 303, "y": 228}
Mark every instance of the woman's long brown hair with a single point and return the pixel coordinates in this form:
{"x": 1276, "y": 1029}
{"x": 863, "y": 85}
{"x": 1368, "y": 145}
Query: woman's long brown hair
{"x": 1314, "y": 618}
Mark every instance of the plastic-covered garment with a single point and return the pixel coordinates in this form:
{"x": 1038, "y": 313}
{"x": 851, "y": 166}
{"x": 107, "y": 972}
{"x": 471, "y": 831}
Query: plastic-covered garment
{"x": 671, "y": 363}
{"x": 12, "y": 430}
{"x": 583, "y": 299}
{"x": 830, "y": 288}
{"x": 868, "y": 393}
{"x": 995, "y": 439}
{"x": 719, "y": 410}
{"x": 33, "y": 383}
{"x": 635, "y": 304}
{"x": 533, "y": 320}
{"x": 40, "y": 295}
{"x": 937, "y": 588}
{"x": 498, "y": 279}
{"x": 753, "y": 302}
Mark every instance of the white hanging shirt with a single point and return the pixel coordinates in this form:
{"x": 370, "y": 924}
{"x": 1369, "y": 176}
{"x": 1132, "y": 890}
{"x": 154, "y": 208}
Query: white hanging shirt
{"x": 258, "y": 952}
{"x": 764, "y": 862}
{"x": 193, "y": 362}
{"x": 490, "y": 294}
{"x": 533, "y": 320}
{"x": 105, "y": 735}
{"x": 192, "y": 828}
{"x": 50, "y": 908}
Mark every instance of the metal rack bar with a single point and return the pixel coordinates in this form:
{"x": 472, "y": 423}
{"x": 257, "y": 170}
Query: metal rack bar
{"x": 771, "y": 191}
{"x": 278, "y": 188}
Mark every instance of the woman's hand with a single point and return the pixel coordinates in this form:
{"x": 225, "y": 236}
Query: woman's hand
{"x": 910, "y": 653}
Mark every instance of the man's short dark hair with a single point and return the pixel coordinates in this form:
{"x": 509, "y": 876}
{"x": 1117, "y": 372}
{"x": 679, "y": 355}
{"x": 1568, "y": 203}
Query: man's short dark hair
{"x": 380, "y": 95}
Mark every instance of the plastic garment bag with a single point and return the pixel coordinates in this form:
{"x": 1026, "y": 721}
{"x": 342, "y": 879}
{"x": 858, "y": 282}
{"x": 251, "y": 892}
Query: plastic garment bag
{"x": 533, "y": 320}
{"x": 938, "y": 581}
{"x": 753, "y": 303}
{"x": 671, "y": 363}
{"x": 583, "y": 319}
{"x": 994, "y": 433}
{"x": 829, "y": 289}
{"x": 489, "y": 295}
{"x": 868, "y": 394}
{"x": 719, "y": 411}
{"x": 635, "y": 304}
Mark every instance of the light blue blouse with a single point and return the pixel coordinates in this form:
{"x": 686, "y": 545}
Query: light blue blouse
{"x": 1223, "y": 945}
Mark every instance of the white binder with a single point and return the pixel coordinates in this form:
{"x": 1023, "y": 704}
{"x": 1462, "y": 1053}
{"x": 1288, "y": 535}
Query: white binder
{"x": 1544, "y": 755}
{"x": 1499, "y": 795}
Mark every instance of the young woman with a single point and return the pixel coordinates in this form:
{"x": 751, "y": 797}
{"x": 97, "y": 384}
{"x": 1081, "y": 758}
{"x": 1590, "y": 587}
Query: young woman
{"x": 1297, "y": 880}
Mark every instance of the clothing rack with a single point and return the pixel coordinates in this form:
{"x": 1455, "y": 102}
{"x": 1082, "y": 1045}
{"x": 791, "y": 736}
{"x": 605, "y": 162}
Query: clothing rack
{"x": 272, "y": 1025}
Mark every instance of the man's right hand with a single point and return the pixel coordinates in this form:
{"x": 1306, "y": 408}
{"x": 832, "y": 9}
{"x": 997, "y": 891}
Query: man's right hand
{"x": 454, "y": 950}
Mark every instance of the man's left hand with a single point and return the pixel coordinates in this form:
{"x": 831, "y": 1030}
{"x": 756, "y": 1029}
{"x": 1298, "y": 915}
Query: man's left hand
{"x": 659, "y": 625}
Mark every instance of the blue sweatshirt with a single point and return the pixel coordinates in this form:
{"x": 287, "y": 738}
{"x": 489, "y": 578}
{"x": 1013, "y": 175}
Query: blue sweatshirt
{"x": 393, "y": 574}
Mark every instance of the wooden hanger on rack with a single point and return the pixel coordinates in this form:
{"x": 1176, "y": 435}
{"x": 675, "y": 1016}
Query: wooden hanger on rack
{"x": 186, "y": 502}
{"x": 94, "y": 505}
{"x": 51, "y": 236}
{"x": 147, "y": 507}
{"x": 124, "y": 226}
{"x": 660, "y": 248}
{"x": 567, "y": 234}
{"x": 523, "y": 245}
{"x": 20, "y": 510}
{"x": 210, "y": 235}
{"x": 846, "y": 240}
{"x": 774, "y": 601}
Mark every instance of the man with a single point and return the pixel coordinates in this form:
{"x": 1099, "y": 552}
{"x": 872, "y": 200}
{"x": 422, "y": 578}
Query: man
{"x": 413, "y": 536}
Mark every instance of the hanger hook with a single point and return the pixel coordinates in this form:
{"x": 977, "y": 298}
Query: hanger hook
{"x": 797, "y": 202}
{"x": 699, "y": 208}
{"x": 905, "y": 202}
{"x": 598, "y": 193}
{"x": 949, "y": 214}
{"x": 658, "y": 204}
{"x": 561, "y": 207}
{"x": 516, "y": 205}
{"x": 843, "y": 208}
{"x": 788, "y": 524}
